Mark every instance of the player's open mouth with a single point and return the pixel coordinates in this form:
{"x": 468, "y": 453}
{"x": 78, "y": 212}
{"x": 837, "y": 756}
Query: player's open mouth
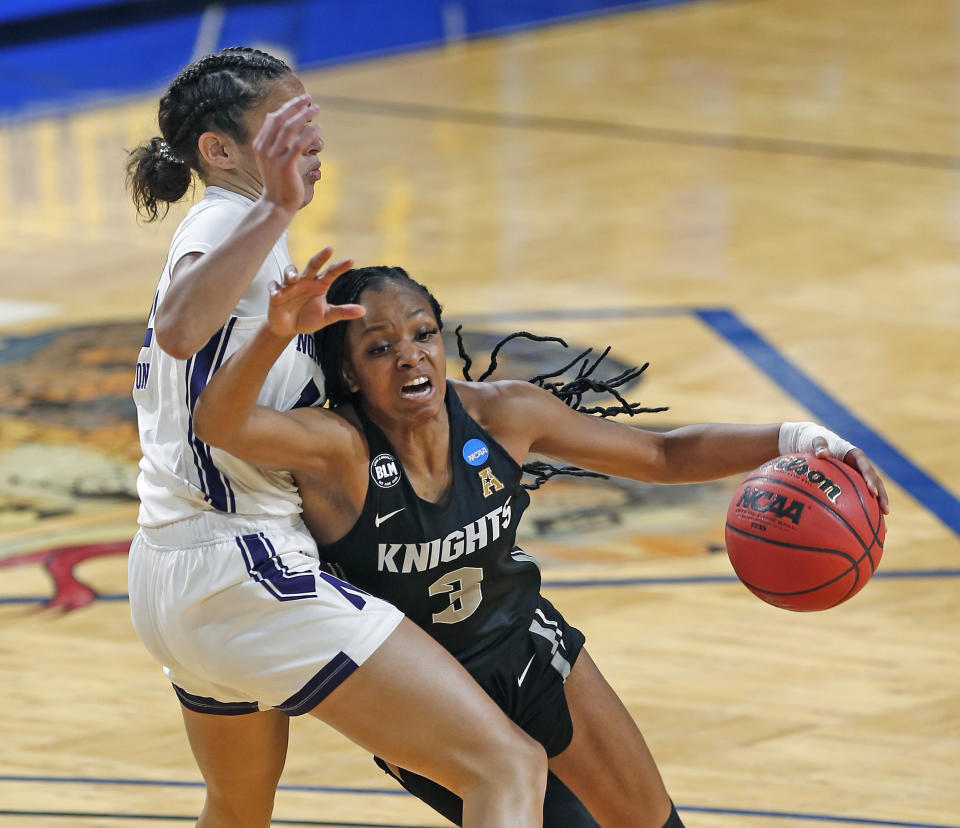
{"x": 314, "y": 174}
{"x": 418, "y": 389}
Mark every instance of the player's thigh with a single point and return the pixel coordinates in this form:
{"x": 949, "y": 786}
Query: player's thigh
{"x": 607, "y": 763}
{"x": 240, "y": 757}
{"x": 414, "y": 705}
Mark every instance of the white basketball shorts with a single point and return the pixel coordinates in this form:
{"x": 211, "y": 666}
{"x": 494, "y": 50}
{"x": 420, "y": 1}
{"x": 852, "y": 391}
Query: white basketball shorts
{"x": 240, "y": 614}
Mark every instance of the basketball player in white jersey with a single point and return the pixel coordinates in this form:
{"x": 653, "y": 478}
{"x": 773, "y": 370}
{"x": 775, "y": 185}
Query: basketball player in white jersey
{"x": 225, "y": 587}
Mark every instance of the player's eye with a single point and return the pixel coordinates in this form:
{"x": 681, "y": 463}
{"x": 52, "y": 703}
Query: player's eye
{"x": 425, "y": 333}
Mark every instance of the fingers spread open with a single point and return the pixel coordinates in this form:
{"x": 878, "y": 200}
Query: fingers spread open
{"x": 329, "y": 276}
{"x": 295, "y": 145}
{"x": 317, "y": 261}
{"x": 335, "y": 313}
{"x": 282, "y": 129}
{"x": 296, "y": 292}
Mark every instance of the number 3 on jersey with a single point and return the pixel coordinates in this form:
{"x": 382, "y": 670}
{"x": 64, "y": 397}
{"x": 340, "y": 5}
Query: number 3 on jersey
{"x": 464, "y": 600}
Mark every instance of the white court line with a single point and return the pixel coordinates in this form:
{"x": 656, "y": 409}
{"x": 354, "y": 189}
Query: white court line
{"x": 16, "y": 310}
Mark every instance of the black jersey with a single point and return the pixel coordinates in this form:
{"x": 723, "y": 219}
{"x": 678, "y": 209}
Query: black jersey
{"x": 452, "y": 567}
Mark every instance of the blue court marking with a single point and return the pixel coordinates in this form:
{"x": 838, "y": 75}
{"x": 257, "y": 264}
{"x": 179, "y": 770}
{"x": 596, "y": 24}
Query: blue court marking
{"x": 667, "y": 580}
{"x": 323, "y": 789}
{"x": 193, "y": 818}
{"x": 815, "y": 817}
{"x": 655, "y": 580}
{"x": 33, "y": 599}
{"x": 724, "y": 322}
{"x": 192, "y": 783}
{"x": 835, "y": 416}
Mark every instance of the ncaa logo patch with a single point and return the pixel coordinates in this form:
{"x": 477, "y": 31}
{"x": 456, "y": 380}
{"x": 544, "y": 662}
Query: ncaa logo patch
{"x": 475, "y": 452}
{"x": 384, "y": 471}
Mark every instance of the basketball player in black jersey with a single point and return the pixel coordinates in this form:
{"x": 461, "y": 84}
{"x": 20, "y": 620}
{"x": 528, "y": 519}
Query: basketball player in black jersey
{"x": 410, "y": 484}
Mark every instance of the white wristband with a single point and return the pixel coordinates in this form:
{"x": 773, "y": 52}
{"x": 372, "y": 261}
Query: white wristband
{"x": 797, "y": 438}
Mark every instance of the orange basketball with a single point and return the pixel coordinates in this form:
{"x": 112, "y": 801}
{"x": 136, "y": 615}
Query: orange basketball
{"x": 804, "y": 533}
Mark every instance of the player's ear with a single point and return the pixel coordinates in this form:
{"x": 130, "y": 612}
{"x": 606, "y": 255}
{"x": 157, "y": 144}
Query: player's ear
{"x": 349, "y": 378}
{"x": 217, "y": 150}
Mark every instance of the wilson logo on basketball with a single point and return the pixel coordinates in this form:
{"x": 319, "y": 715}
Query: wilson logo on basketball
{"x": 799, "y": 467}
{"x": 759, "y": 500}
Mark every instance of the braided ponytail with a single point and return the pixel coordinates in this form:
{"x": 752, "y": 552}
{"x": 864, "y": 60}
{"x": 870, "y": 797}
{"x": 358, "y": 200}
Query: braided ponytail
{"x": 214, "y": 92}
{"x": 157, "y": 177}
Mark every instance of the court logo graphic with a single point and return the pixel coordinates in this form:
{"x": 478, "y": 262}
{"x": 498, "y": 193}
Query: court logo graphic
{"x": 70, "y": 449}
{"x": 384, "y": 471}
{"x": 489, "y": 481}
{"x": 69, "y": 592}
{"x": 475, "y": 452}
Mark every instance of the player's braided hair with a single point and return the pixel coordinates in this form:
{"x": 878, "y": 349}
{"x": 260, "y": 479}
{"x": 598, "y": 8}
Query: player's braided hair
{"x": 349, "y": 287}
{"x": 213, "y": 92}
{"x": 570, "y": 392}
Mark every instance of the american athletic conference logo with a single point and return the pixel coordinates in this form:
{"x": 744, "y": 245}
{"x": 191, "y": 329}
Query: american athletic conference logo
{"x": 384, "y": 471}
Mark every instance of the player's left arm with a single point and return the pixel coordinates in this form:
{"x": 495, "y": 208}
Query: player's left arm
{"x": 532, "y": 419}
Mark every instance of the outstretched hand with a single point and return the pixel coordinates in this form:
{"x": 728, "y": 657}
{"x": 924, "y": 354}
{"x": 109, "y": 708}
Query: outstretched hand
{"x": 278, "y": 146}
{"x": 856, "y": 458}
{"x": 299, "y": 304}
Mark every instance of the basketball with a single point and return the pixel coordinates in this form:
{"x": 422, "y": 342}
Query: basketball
{"x": 804, "y": 533}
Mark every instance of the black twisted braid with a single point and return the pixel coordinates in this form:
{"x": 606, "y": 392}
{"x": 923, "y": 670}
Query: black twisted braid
{"x": 347, "y": 289}
{"x": 213, "y": 92}
{"x": 570, "y": 392}
{"x": 330, "y": 345}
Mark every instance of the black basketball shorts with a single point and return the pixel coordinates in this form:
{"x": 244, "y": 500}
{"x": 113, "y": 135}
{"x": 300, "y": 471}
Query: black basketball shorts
{"x": 527, "y": 684}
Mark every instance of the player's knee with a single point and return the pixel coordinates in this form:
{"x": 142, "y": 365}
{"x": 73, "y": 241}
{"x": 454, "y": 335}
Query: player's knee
{"x": 531, "y": 759}
{"x": 240, "y": 802}
{"x": 225, "y": 808}
{"x": 518, "y": 762}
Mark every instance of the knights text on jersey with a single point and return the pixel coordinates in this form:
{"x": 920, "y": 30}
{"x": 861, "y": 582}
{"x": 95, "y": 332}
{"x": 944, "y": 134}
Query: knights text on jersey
{"x": 179, "y": 474}
{"x": 451, "y": 567}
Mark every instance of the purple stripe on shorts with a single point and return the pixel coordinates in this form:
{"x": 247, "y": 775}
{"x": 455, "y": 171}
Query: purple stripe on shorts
{"x": 204, "y": 704}
{"x": 268, "y": 569}
{"x": 320, "y": 686}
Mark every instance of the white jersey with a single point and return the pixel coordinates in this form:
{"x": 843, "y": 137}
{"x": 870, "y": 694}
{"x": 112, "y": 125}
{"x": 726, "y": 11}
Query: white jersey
{"x": 179, "y": 474}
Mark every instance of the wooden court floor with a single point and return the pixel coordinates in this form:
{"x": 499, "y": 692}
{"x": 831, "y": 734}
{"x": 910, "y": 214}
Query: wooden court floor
{"x": 760, "y": 198}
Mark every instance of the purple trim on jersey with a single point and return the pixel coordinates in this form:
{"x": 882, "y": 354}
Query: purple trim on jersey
{"x": 320, "y": 686}
{"x": 310, "y": 394}
{"x": 200, "y": 367}
{"x": 153, "y": 307}
{"x": 266, "y": 567}
{"x": 205, "y": 704}
{"x": 148, "y": 337}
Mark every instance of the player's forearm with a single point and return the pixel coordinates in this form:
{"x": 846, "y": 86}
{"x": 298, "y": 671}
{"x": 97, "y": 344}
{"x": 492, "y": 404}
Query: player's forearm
{"x": 204, "y": 294}
{"x": 709, "y": 451}
{"x": 228, "y": 401}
